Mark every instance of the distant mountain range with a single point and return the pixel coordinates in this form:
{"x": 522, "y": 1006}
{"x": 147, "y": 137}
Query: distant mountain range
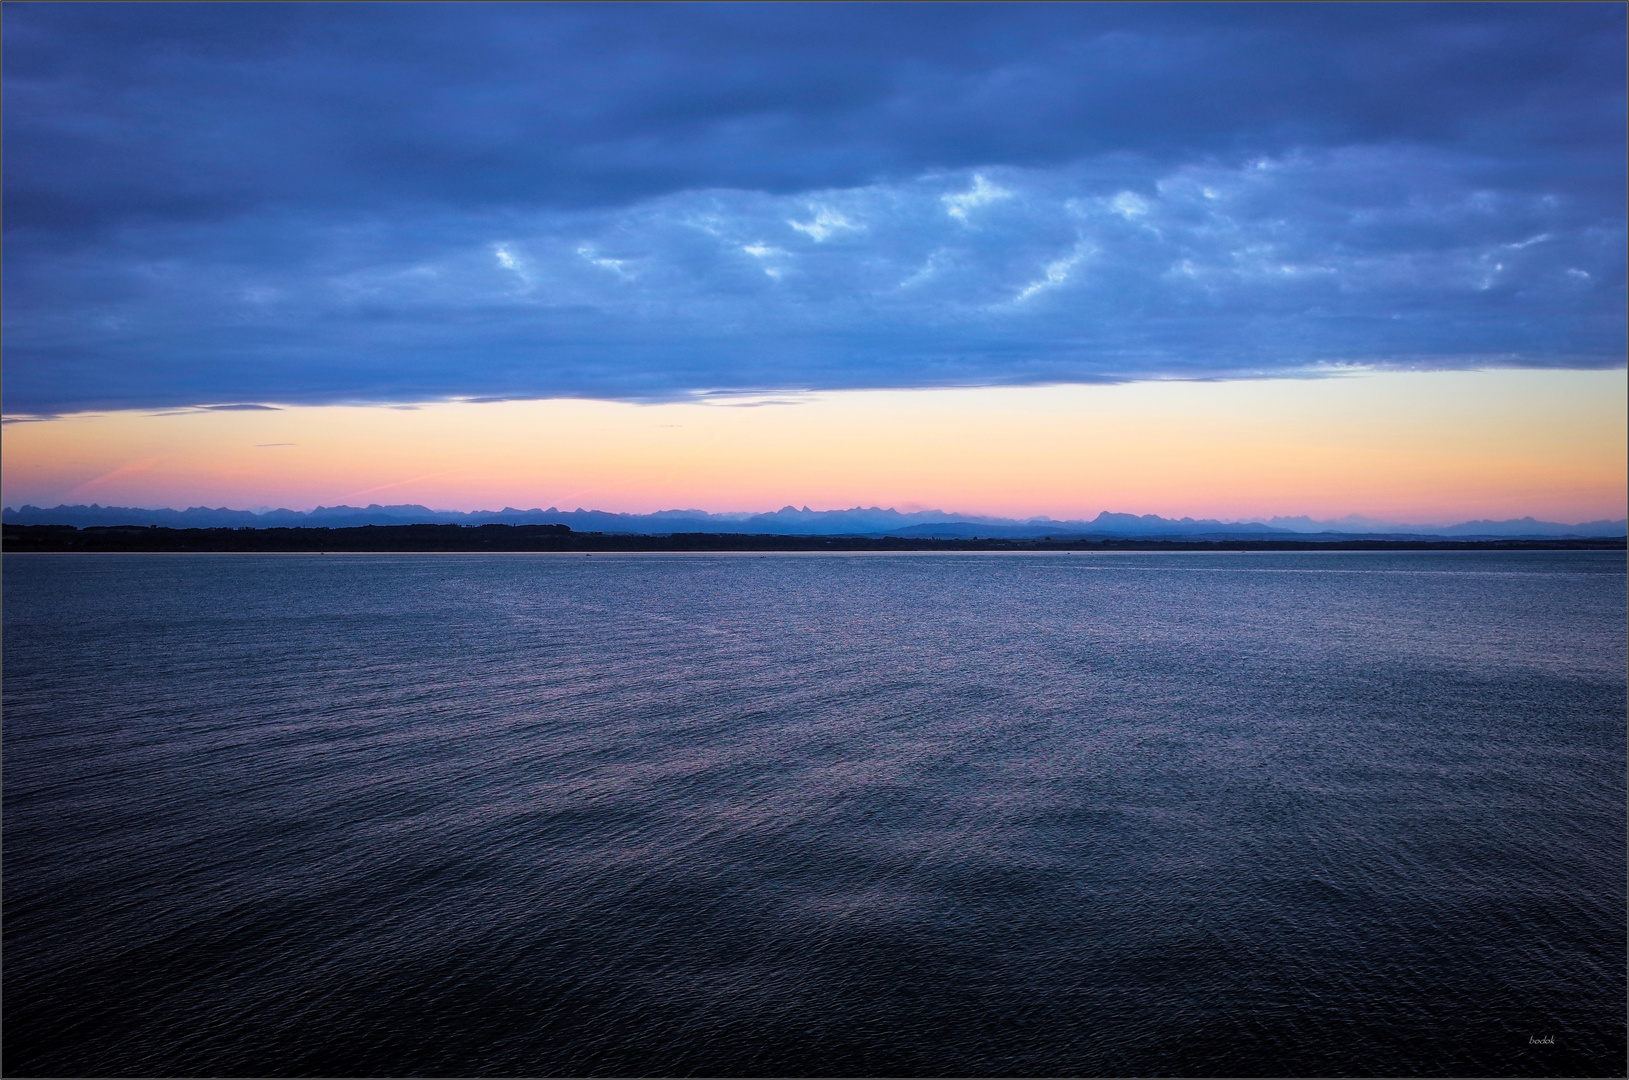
{"x": 791, "y": 521}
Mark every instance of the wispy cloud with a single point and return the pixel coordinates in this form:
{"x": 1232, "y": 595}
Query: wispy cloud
{"x": 128, "y": 469}
{"x": 827, "y": 222}
{"x": 982, "y": 193}
{"x": 401, "y": 483}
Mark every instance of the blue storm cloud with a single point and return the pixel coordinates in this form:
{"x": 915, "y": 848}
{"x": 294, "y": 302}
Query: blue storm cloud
{"x": 318, "y": 203}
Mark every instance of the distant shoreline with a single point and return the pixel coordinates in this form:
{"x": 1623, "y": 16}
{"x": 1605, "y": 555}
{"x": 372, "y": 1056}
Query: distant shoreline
{"x": 546, "y": 538}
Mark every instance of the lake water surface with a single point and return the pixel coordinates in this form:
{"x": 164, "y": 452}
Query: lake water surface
{"x": 854, "y": 815}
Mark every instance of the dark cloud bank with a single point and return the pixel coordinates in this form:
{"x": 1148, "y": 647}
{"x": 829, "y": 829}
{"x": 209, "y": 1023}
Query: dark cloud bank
{"x": 322, "y": 203}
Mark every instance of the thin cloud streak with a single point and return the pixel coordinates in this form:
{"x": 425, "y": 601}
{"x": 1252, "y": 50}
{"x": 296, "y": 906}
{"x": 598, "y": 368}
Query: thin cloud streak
{"x": 399, "y": 483}
{"x": 122, "y": 472}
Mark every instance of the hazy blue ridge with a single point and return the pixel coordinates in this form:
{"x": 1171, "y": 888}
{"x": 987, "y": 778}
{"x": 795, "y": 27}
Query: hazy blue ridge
{"x": 792, "y": 521}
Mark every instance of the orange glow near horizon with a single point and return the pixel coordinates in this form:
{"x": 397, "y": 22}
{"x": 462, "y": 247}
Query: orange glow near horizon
{"x": 1430, "y": 447}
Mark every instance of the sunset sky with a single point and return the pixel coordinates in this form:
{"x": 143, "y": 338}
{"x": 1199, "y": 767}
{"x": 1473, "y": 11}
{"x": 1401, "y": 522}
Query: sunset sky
{"x": 1223, "y": 261}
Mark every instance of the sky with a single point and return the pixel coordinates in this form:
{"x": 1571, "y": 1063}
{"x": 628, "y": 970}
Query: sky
{"x": 1088, "y": 233}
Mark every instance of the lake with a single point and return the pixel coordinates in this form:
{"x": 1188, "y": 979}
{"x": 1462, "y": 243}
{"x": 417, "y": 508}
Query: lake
{"x": 1279, "y": 814}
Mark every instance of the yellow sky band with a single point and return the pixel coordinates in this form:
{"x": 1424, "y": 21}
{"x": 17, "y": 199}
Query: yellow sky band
{"x": 1419, "y": 447}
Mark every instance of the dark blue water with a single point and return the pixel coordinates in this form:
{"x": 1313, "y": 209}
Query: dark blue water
{"x": 1127, "y": 815}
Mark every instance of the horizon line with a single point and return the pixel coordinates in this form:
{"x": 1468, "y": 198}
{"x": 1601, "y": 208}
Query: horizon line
{"x": 954, "y": 515}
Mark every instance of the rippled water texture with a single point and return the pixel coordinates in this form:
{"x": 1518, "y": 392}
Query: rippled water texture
{"x": 1277, "y": 814}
